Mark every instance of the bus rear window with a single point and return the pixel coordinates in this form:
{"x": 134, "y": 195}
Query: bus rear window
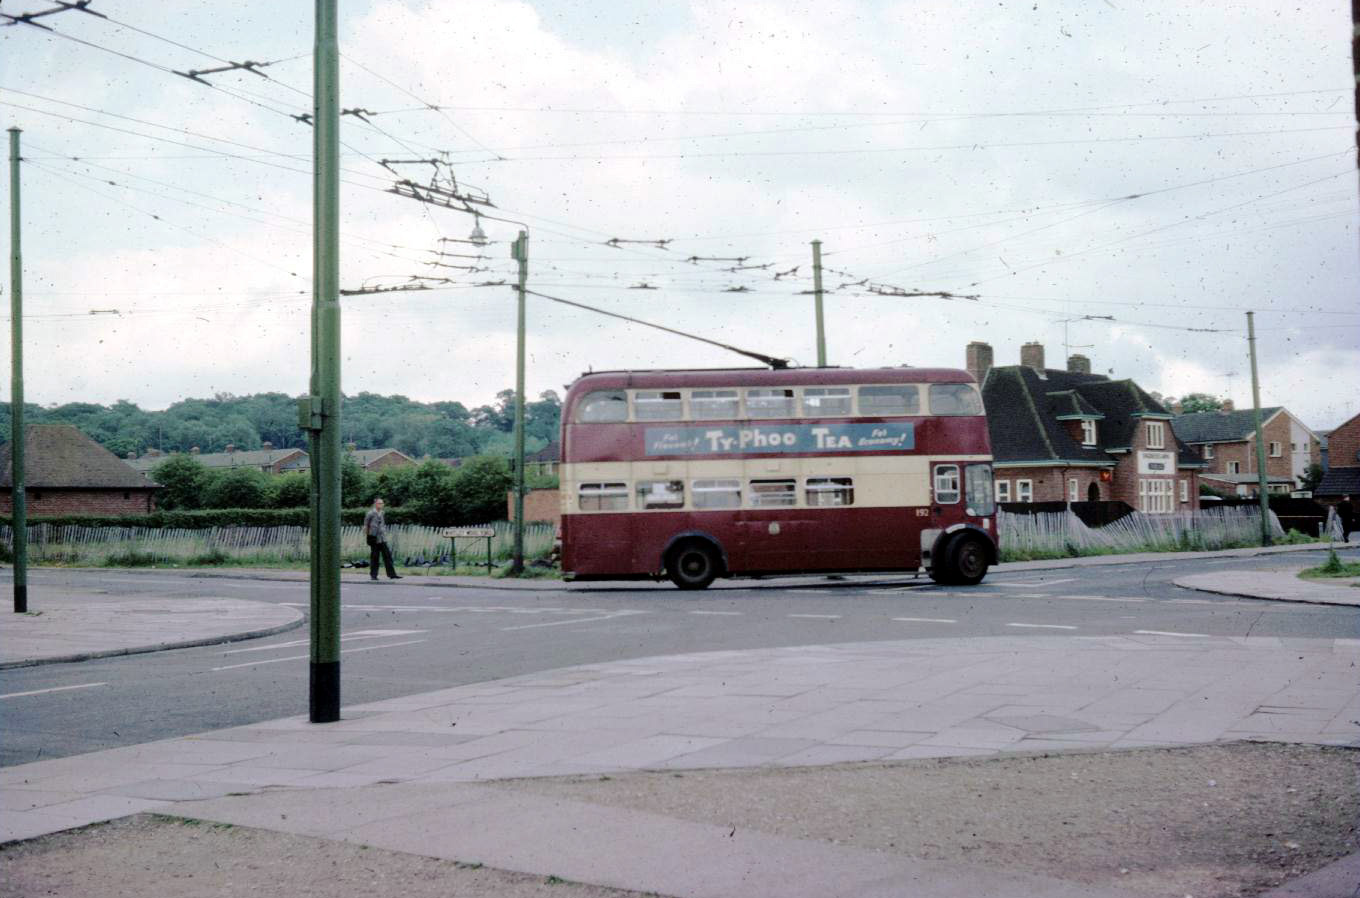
{"x": 818, "y": 401}
{"x": 769, "y": 403}
{"x": 716, "y": 494}
{"x": 714, "y": 405}
{"x": 603, "y": 405}
{"x": 657, "y": 405}
{"x": 954, "y": 399}
{"x": 823, "y": 491}
{"x": 896, "y": 399}
{"x": 603, "y": 496}
{"x": 661, "y": 493}
{"x": 774, "y": 493}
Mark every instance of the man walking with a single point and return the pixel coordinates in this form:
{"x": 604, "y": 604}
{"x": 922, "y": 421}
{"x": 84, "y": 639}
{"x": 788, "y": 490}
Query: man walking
{"x": 375, "y": 532}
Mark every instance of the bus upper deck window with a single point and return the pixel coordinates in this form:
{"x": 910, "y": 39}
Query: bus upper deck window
{"x": 714, "y": 405}
{"x": 818, "y": 401}
{"x": 769, "y": 403}
{"x": 603, "y": 405}
{"x": 954, "y": 399}
{"x": 658, "y": 405}
{"x": 894, "y": 399}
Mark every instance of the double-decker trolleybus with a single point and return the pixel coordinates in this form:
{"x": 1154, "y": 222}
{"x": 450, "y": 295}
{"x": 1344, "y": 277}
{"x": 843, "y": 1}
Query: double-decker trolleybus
{"x": 711, "y": 473}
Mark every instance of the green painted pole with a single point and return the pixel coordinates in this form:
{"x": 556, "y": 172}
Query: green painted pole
{"x": 817, "y": 292}
{"x": 1261, "y": 481}
{"x": 324, "y": 424}
{"x": 19, "y": 518}
{"x": 519, "y": 251}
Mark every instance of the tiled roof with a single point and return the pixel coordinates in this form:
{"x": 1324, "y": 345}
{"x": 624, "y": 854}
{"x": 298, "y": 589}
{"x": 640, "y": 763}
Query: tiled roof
{"x": 1023, "y": 407}
{"x": 366, "y": 457}
{"x": 1245, "y": 478}
{"x": 1220, "y": 427}
{"x": 1339, "y": 482}
{"x": 245, "y": 458}
{"x": 550, "y": 452}
{"x": 60, "y": 456}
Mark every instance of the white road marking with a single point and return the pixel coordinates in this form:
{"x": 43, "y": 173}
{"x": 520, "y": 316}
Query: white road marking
{"x": 1170, "y": 633}
{"x": 728, "y": 613}
{"x": 1024, "y": 583}
{"x": 1029, "y": 595}
{"x": 818, "y": 616}
{"x": 53, "y": 689}
{"x": 1044, "y": 626}
{"x": 367, "y": 648}
{"x": 1100, "y": 599}
{"x": 579, "y": 620}
{"x": 904, "y": 588}
{"x": 927, "y": 620}
{"x": 346, "y": 637}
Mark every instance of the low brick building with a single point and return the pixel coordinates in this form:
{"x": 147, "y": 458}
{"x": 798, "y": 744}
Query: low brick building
{"x": 267, "y": 459}
{"x": 1342, "y": 477}
{"x": 66, "y": 472}
{"x": 1074, "y": 436}
{"x": 368, "y": 459}
{"x": 539, "y": 505}
{"x": 1226, "y": 440}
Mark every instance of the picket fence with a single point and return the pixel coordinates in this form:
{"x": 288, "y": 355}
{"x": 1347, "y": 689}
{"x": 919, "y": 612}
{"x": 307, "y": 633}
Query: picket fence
{"x": 1063, "y": 533}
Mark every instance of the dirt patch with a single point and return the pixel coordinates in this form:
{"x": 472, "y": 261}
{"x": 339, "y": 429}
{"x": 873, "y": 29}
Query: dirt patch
{"x": 1219, "y": 820}
{"x": 154, "y": 855}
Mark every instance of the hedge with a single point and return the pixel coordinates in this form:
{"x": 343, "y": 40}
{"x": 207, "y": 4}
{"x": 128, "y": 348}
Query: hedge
{"x": 214, "y": 517}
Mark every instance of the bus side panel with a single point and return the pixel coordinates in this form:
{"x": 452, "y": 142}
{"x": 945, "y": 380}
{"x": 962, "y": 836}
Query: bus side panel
{"x": 597, "y": 545}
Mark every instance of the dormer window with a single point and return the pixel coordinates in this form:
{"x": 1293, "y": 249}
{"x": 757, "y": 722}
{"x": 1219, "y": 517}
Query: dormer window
{"x": 1088, "y": 433}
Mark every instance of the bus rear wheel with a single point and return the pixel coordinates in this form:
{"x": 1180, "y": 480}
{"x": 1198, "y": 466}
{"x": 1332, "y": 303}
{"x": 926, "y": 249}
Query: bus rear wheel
{"x": 692, "y": 565}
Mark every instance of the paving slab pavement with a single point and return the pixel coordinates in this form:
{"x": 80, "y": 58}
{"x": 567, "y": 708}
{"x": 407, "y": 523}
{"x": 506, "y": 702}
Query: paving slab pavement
{"x": 402, "y": 773}
{"x": 72, "y": 626}
{"x": 1282, "y": 584}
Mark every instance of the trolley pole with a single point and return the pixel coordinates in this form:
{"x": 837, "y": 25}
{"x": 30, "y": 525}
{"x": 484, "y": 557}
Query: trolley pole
{"x": 519, "y": 251}
{"x": 1261, "y": 480}
{"x": 19, "y": 518}
{"x": 817, "y": 293}
{"x": 321, "y": 409}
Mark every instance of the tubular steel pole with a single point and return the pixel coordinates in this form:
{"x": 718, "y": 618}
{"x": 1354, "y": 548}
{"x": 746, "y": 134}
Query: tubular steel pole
{"x": 519, "y": 251}
{"x": 324, "y": 695}
{"x": 1261, "y": 481}
{"x": 817, "y": 292}
{"x": 19, "y": 519}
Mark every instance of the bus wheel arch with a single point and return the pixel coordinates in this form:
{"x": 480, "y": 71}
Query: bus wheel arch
{"x": 694, "y": 560}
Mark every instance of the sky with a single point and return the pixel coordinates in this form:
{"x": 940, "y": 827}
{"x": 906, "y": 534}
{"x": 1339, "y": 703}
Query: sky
{"x": 1119, "y": 179}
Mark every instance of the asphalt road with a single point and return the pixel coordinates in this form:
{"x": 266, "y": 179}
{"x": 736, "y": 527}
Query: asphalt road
{"x": 403, "y": 639}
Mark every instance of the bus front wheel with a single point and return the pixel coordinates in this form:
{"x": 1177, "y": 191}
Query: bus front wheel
{"x": 968, "y": 560}
{"x": 692, "y": 565}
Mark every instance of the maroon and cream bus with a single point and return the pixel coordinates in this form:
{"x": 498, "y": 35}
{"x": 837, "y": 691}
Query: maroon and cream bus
{"x": 711, "y": 473}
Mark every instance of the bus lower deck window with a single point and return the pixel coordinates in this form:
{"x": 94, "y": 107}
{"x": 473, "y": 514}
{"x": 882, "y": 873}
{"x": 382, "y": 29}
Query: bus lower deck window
{"x": 830, "y": 491}
{"x": 661, "y": 493}
{"x": 826, "y": 401}
{"x": 602, "y": 406}
{"x": 946, "y": 484}
{"x": 893, "y": 399}
{"x": 603, "y": 496}
{"x": 769, "y": 403}
{"x": 658, "y": 405}
{"x": 954, "y": 399}
{"x": 716, "y": 494}
{"x": 714, "y": 405}
{"x": 774, "y": 493}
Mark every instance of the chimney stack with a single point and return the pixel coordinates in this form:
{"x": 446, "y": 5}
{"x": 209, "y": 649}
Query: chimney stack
{"x": 193, "y": 450}
{"x": 1078, "y": 364}
{"x": 231, "y": 447}
{"x": 1228, "y": 405}
{"x": 978, "y": 360}
{"x": 266, "y": 445}
{"x": 132, "y": 454}
{"x": 1032, "y": 356}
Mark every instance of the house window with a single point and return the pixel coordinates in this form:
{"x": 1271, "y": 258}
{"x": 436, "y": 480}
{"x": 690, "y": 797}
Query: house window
{"x": 1073, "y": 490}
{"x": 1274, "y": 449}
{"x": 1156, "y": 435}
{"x": 1234, "y": 467}
{"x": 830, "y": 491}
{"x": 1155, "y": 496}
{"x": 1185, "y": 491}
{"x": 1208, "y": 451}
{"x": 946, "y": 484}
{"x": 1088, "y": 433}
{"x": 1003, "y": 491}
{"x": 1024, "y": 491}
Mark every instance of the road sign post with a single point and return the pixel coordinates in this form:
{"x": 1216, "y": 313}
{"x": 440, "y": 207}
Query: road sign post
{"x": 456, "y": 533}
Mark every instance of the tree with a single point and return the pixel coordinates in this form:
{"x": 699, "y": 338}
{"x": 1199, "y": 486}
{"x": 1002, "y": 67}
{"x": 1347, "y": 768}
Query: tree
{"x": 1311, "y": 477}
{"x": 356, "y": 487}
{"x": 480, "y": 485}
{"x": 1195, "y": 402}
{"x": 292, "y": 490}
{"x": 183, "y": 480}
{"x": 238, "y": 488}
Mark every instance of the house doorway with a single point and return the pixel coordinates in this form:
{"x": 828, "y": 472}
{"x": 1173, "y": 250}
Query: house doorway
{"x": 1093, "y": 493}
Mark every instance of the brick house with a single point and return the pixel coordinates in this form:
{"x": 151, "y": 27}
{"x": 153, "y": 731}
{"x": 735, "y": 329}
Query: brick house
{"x": 1070, "y": 436}
{"x": 368, "y": 459}
{"x": 266, "y": 459}
{"x": 66, "y": 472}
{"x": 1342, "y": 477}
{"x": 1227, "y": 441}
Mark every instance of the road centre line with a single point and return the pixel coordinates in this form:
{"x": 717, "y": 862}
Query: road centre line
{"x": 1100, "y": 599}
{"x": 52, "y": 689}
{"x": 1030, "y": 595}
{"x": 818, "y": 616}
{"x": 1170, "y": 633}
{"x": 927, "y": 620}
{"x": 367, "y": 648}
{"x": 1024, "y": 583}
{"x": 579, "y": 620}
{"x": 1044, "y": 626}
{"x": 470, "y": 609}
{"x": 725, "y": 613}
{"x": 346, "y": 637}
